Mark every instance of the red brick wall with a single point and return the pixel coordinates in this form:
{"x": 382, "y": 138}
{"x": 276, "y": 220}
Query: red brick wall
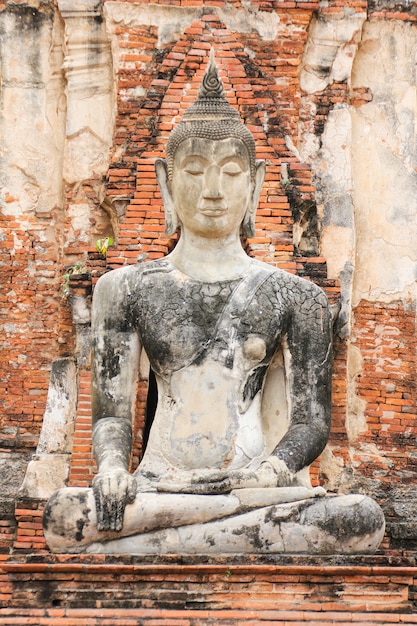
{"x": 226, "y": 590}
{"x": 386, "y": 336}
{"x": 30, "y": 306}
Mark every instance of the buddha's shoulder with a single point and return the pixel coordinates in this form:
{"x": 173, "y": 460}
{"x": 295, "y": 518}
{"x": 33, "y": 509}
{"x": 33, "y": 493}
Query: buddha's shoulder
{"x": 290, "y": 284}
{"x": 132, "y": 275}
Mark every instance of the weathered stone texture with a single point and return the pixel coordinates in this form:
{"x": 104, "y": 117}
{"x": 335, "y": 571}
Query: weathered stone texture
{"x": 89, "y": 92}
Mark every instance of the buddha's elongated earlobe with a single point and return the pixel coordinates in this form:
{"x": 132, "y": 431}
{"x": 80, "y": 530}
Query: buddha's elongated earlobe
{"x": 248, "y": 224}
{"x": 171, "y": 219}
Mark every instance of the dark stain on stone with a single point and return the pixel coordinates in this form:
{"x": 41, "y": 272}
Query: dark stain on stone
{"x": 29, "y": 22}
{"x": 29, "y": 18}
{"x": 254, "y": 536}
{"x": 82, "y": 499}
{"x": 355, "y": 521}
{"x": 80, "y": 525}
{"x": 400, "y": 6}
{"x": 254, "y": 382}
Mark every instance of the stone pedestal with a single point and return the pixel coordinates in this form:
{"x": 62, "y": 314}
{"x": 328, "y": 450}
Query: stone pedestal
{"x": 197, "y": 590}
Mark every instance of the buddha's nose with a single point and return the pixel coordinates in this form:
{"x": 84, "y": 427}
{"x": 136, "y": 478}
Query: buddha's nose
{"x": 212, "y": 187}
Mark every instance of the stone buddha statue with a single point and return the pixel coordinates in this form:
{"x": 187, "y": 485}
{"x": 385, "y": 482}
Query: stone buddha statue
{"x": 217, "y": 476}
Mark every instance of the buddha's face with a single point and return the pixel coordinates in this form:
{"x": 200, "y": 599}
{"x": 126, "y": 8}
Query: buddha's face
{"x": 211, "y": 185}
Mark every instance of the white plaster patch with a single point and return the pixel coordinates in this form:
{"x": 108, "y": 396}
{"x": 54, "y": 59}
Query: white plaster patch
{"x": 45, "y": 474}
{"x": 332, "y": 467}
{"x": 32, "y": 116}
{"x": 86, "y": 155}
{"x": 330, "y": 50}
{"x": 355, "y": 414}
{"x": 79, "y": 214}
{"x": 172, "y": 21}
{"x": 335, "y": 152}
{"x": 90, "y": 91}
{"x": 385, "y": 153}
{"x": 264, "y": 22}
{"x": 342, "y": 64}
{"x": 132, "y": 93}
{"x": 332, "y": 168}
{"x": 337, "y": 247}
{"x": 58, "y": 421}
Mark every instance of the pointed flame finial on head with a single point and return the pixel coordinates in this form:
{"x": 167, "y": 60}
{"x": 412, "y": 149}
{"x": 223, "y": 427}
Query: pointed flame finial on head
{"x": 212, "y": 86}
{"x": 211, "y": 103}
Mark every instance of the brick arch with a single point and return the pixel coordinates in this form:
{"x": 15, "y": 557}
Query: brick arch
{"x": 141, "y": 235}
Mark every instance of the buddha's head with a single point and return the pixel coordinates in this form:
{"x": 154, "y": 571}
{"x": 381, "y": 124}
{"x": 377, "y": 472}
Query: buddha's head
{"x": 210, "y": 179}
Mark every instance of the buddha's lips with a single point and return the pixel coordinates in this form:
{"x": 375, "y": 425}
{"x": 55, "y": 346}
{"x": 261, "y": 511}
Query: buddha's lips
{"x": 213, "y": 210}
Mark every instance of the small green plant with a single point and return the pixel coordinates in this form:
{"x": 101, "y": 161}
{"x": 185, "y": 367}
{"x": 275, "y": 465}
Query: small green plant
{"x": 228, "y": 573}
{"x": 103, "y": 244}
{"x": 78, "y": 268}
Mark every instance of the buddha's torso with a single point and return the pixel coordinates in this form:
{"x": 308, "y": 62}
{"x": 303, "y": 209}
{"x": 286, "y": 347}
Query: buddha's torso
{"x": 209, "y": 345}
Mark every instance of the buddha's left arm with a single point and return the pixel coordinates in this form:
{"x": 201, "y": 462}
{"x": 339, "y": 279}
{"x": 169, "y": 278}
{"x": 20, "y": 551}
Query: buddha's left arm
{"x": 308, "y": 364}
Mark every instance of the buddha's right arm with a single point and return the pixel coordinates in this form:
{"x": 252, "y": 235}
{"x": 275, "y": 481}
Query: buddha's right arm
{"x": 115, "y": 358}
{"x": 115, "y": 349}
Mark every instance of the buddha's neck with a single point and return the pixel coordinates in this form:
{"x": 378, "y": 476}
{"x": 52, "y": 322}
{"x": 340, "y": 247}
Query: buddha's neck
{"x": 210, "y": 260}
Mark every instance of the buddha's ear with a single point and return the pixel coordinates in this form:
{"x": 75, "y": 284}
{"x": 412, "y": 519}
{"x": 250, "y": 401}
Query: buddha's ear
{"x": 171, "y": 219}
{"x": 248, "y": 224}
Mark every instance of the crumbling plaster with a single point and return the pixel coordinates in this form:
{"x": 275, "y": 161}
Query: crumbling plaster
{"x": 171, "y": 21}
{"x": 364, "y": 164}
{"x": 57, "y": 113}
{"x": 328, "y": 56}
{"x": 32, "y": 112}
{"x": 384, "y": 161}
{"x": 49, "y": 467}
{"x": 78, "y": 54}
{"x": 365, "y": 160}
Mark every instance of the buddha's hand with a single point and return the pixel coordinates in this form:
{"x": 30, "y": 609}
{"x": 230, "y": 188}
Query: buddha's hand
{"x": 113, "y": 489}
{"x": 272, "y": 472}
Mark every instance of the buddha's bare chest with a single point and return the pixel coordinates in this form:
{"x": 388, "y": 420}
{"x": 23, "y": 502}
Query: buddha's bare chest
{"x": 183, "y": 322}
